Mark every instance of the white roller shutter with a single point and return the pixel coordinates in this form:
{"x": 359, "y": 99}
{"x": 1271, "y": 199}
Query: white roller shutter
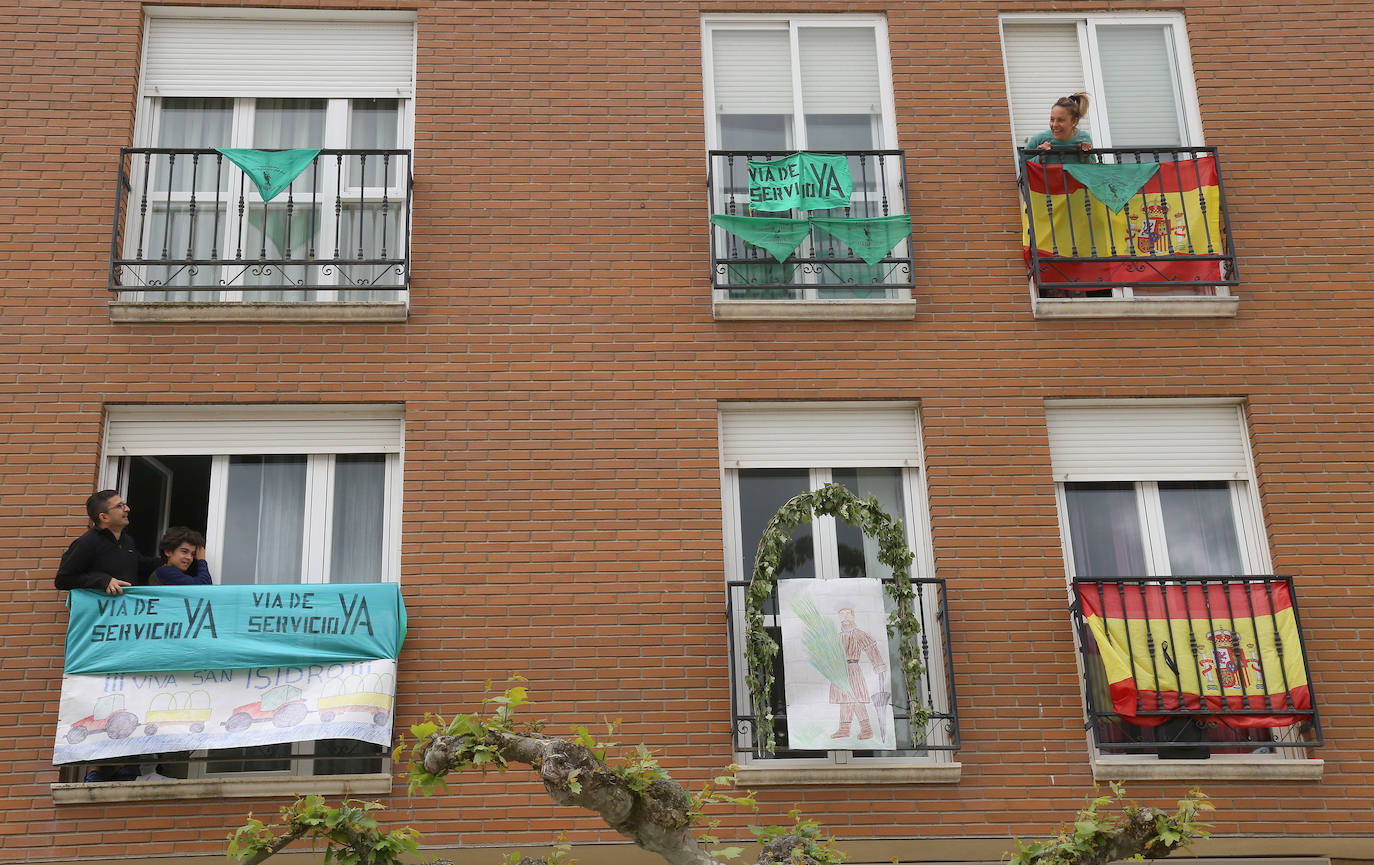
{"x": 822, "y": 436}
{"x": 160, "y": 430}
{"x": 839, "y": 70}
{"x": 1044, "y": 64}
{"x": 1156, "y": 442}
{"x": 320, "y": 56}
{"x": 751, "y": 71}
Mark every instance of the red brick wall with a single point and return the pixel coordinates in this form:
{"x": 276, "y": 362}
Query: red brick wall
{"x": 561, "y": 374}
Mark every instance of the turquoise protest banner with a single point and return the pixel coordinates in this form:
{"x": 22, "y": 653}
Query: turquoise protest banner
{"x": 232, "y": 627}
{"x": 270, "y": 170}
{"x": 807, "y": 181}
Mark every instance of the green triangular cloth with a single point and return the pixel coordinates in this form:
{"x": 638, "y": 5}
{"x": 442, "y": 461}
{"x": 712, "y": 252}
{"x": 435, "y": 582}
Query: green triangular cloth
{"x": 1113, "y": 185}
{"x": 778, "y": 236}
{"x": 871, "y": 238}
{"x": 270, "y": 170}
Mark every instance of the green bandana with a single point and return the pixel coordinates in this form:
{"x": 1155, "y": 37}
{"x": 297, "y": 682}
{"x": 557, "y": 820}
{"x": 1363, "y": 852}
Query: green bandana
{"x": 871, "y": 239}
{"x": 270, "y": 170}
{"x": 1113, "y": 185}
{"x": 807, "y": 181}
{"x": 778, "y": 236}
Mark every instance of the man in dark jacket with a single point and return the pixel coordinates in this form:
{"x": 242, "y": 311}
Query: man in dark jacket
{"x": 105, "y": 557}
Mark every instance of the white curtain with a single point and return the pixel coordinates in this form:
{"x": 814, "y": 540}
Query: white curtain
{"x": 288, "y": 226}
{"x": 264, "y": 533}
{"x": 355, "y": 543}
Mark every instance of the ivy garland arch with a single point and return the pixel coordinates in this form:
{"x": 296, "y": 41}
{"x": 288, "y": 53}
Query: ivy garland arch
{"x": 832, "y": 500}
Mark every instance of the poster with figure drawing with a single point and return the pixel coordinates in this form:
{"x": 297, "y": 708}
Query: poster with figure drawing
{"x": 835, "y": 665}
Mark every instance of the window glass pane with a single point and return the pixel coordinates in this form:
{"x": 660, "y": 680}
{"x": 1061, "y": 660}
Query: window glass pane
{"x": 1104, "y": 527}
{"x": 279, "y": 124}
{"x": 1141, "y": 94}
{"x": 264, "y": 529}
{"x": 347, "y": 757}
{"x": 858, "y": 553}
{"x": 752, "y": 132}
{"x": 257, "y": 758}
{"x": 187, "y": 123}
{"x": 355, "y": 539}
{"x": 761, "y": 493}
{"x": 1200, "y": 529}
{"x": 373, "y": 125}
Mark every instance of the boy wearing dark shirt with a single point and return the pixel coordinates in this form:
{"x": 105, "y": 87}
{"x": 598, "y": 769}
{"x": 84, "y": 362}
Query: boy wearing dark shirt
{"x": 184, "y": 550}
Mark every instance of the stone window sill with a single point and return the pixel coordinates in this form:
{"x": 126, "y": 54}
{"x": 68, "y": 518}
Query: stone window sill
{"x": 135, "y": 311}
{"x": 221, "y": 788}
{"x": 763, "y": 775}
{"x": 813, "y": 310}
{"x": 1135, "y": 307}
{"x": 1221, "y": 768}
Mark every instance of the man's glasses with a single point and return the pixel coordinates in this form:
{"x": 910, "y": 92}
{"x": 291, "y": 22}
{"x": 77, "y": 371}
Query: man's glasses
{"x": 117, "y": 507}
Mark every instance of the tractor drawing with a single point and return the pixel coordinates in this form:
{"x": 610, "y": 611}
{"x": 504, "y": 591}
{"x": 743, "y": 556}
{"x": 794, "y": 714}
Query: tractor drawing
{"x": 171, "y": 708}
{"x": 282, "y": 706}
{"x": 370, "y": 694}
{"x": 108, "y": 717}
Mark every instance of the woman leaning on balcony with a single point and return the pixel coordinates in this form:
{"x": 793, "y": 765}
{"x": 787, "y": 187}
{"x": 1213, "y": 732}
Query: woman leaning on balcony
{"x": 1064, "y": 138}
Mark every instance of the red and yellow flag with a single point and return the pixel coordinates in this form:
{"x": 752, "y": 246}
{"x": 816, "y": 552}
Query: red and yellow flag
{"x": 1203, "y": 647}
{"x": 1176, "y": 213}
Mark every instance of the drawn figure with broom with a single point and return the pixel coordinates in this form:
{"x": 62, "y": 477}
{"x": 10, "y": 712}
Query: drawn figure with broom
{"x": 854, "y": 703}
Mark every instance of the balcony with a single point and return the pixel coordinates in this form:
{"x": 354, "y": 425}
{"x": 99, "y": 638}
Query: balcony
{"x": 192, "y": 232}
{"x": 821, "y": 277}
{"x": 923, "y": 755}
{"x": 1192, "y": 667}
{"x": 1140, "y": 232}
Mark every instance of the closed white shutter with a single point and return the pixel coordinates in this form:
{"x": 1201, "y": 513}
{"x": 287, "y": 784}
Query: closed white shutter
{"x": 1158, "y": 442}
{"x": 1141, "y": 84}
{"x": 820, "y": 436}
{"x": 1044, "y": 64}
{"x": 839, "y": 70}
{"x": 159, "y": 430}
{"x": 284, "y": 55}
{"x": 751, "y": 71}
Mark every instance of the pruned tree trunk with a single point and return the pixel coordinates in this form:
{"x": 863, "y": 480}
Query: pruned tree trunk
{"x": 656, "y": 818}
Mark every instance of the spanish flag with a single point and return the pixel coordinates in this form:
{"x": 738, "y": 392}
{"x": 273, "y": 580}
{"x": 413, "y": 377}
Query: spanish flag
{"x": 1168, "y": 231}
{"x": 1200, "y": 647}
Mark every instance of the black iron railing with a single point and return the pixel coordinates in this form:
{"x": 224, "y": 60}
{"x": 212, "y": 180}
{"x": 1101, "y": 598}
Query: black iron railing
{"x": 941, "y": 731}
{"x": 190, "y": 225}
{"x": 821, "y": 265}
{"x": 1191, "y": 666}
{"x": 1172, "y": 234}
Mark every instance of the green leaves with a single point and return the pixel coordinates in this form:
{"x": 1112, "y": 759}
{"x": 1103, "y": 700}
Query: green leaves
{"x": 1133, "y": 833}
{"x": 351, "y": 835}
{"x": 868, "y": 516}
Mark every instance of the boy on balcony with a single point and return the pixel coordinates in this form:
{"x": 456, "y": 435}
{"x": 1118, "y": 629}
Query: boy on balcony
{"x": 184, "y": 550}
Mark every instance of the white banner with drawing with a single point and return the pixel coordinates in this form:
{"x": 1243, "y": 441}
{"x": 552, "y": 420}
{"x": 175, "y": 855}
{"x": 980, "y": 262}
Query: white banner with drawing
{"x": 835, "y": 665}
{"x": 122, "y": 714}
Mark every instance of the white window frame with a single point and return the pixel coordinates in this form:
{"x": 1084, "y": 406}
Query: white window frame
{"x": 1180, "y": 62}
{"x": 336, "y": 135}
{"x": 916, "y": 520}
{"x": 267, "y": 431}
{"x": 1190, "y": 124}
{"x": 1251, "y": 538}
{"x": 885, "y": 136}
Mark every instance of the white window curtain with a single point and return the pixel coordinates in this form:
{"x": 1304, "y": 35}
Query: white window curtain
{"x": 264, "y": 526}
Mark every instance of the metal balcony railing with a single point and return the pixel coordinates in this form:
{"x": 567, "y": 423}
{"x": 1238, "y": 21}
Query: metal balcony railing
{"x": 941, "y": 732}
{"x": 1190, "y": 666}
{"x": 190, "y": 225}
{"x": 1171, "y": 235}
{"x": 821, "y": 266}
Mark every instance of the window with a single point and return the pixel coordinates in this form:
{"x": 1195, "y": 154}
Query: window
{"x": 195, "y": 229}
{"x": 282, "y": 495}
{"x": 773, "y": 453}
{"x": 822, "y": 84}
{"x": 1135, "y": 68}
{"x": 1157, "y": 494}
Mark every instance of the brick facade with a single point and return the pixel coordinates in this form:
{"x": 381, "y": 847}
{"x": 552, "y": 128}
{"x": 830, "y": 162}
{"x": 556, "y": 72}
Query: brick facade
{"x": 561, "y": 375}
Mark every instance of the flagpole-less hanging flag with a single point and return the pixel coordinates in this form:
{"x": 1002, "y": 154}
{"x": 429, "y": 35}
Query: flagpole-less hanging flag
{"x": 270, "y": 170}
{"x": 778, "y": 236}
{"x": 805, "y": 181}
{"x": 870, "y": 238}
{"x": 1115, "y": 211}
{"x": 1173, "y": 648}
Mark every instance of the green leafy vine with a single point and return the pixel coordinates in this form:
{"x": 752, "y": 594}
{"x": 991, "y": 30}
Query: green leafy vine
{"x": 868, "y": 516}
